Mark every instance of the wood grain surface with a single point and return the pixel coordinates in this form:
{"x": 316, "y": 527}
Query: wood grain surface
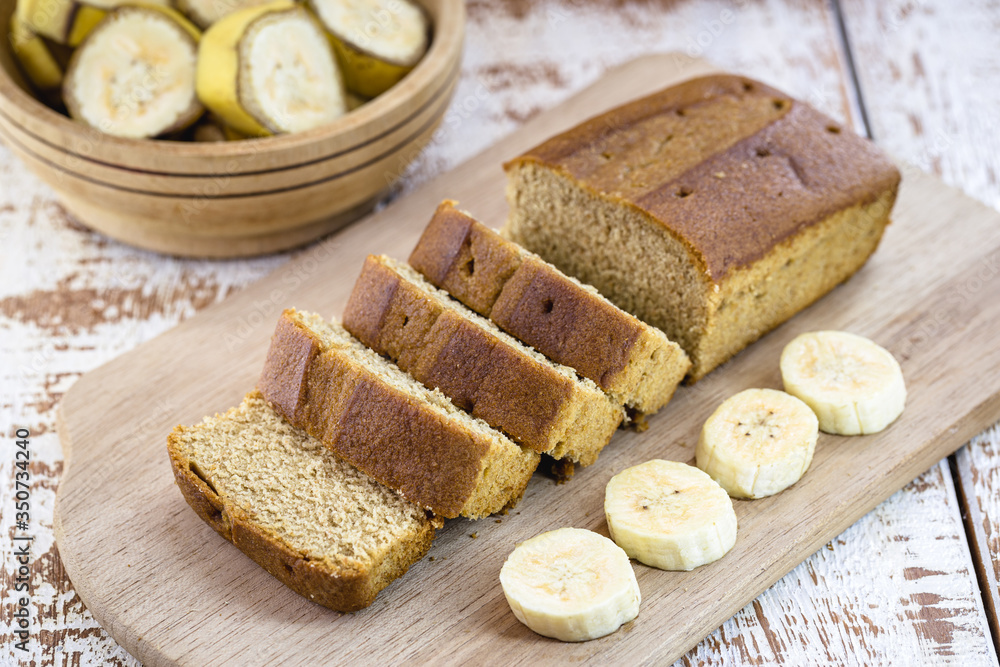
{"x": 154, "y": 574}
{"x": 944, "y": 119}
{"x": 70, "y": 300}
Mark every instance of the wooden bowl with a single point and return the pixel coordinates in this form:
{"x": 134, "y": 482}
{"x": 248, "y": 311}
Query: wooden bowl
{"x": 238, "y": 198}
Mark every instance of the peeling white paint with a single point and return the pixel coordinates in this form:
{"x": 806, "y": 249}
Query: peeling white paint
{"x": 851, "y": 603}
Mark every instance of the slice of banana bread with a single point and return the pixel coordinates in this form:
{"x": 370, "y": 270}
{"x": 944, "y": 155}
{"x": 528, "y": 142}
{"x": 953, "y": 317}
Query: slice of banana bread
{"x": 320, "y": 526}
{"x": 714, "y": 210}
{"x": 443, "y": 344}
{"x": 378, "y": 418}
{"x": 567, "y": 321}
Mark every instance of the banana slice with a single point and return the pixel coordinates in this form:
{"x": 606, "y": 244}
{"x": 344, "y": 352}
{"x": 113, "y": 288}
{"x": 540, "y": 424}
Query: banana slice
{"x": 35, "y": 58}
{"x": 377, "y": 41}
{"x": 134, "y": 75}
{"x": 206, "y": 12}
{"x": 68, "y": 22}
{"x": 111, "y": 4}
{"x": 669, "y": 515}
{"x": 570, "y": 584}
{"x": 270, "y": 69}
{"x": 63, "y": 21}
{"x": 854, "y": 386}
{"x": 758, "y": 442}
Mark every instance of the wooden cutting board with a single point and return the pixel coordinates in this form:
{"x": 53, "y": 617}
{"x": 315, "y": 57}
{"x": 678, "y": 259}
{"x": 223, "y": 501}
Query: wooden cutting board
{"x": 173, "y": 592}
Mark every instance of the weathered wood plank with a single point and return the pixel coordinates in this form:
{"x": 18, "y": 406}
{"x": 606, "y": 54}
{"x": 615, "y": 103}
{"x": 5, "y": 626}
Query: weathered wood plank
{"x": 928, "y": 71}
{"x": 979, "y": 478}
{"x": 795, "y": 46}
{"x": 872, "y": 594}
{"x": 70, "y": 300}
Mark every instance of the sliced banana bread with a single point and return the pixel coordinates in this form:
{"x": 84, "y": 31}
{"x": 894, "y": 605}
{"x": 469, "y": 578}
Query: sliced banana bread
{"x": 378, "y": 418}
{"x": 714, "y": 210}
{"x": 443, "y": 344}
{"x": 567, "y": 321}
{"x": 319, "y": 525}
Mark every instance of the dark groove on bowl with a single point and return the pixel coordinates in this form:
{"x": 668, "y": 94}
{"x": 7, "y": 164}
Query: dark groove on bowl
{"x": 452, "y": 75}
{"x": 8, "y": 137}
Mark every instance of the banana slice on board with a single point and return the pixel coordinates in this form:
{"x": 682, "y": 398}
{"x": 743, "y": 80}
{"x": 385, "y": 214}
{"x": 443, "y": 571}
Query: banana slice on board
{"x": 669, "y": 515}
{"x": 854, "y": 386}
{"x": 570, "y": 584}
{"x": 758, "y": 442}
{"x": 377, "y": 41}
{"x": 134, "y": 75}
{"x": 206, "y": 12}
{"x": 270, "y": 69}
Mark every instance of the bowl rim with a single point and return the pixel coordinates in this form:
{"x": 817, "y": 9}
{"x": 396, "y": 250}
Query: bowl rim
{"x": 441, "y": 60}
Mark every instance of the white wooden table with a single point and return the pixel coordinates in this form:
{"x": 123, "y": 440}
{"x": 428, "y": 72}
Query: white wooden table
{"x": 913, "y": 582}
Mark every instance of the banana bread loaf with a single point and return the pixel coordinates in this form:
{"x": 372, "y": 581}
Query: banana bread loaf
{"x": 320, "y": 526}
{"x": 379, "y": 419}
{"x": 714, "y": 210}
{"x": 446, "y": 346}
{"x": 533, "y": 301}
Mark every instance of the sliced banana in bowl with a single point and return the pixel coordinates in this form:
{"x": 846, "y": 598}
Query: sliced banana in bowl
{"x": 854, "y": 385}
{"x": 669, "y": 515}
{"x": 758, "y": 442}
{"x": 35, "y": 58}
{"x": 206, "y": 12}
{"x": 377, "y": 41}
{"x": 570, "y": 584}
{"x": 63, "y": 21}
{"x": 134, "y": 75}
{"x": 269, "y": 70}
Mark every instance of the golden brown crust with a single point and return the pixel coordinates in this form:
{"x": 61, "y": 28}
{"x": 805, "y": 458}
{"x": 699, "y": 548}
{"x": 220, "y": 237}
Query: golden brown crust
{"x": 557, "y": 317}
{"x": 200, "y": 496}
{"x": 285, "y": 368}
{"x": 402, "y": 444}
{"x": 397, "y": 438}
{"x": 502, "y": 385}
{"x": 343, "y": 588}
{"x": 464, "y": 258}
{"x": 748, "y": 166}
{"x": 660, "y": 123}
{"x": 536, "y": 303}
{"x": 394, "y": 443}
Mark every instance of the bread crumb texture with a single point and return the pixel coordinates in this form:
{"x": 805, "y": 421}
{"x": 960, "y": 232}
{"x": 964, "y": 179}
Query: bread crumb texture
{"x": 307, "y": 505}
{"x": 287, "y": 480}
